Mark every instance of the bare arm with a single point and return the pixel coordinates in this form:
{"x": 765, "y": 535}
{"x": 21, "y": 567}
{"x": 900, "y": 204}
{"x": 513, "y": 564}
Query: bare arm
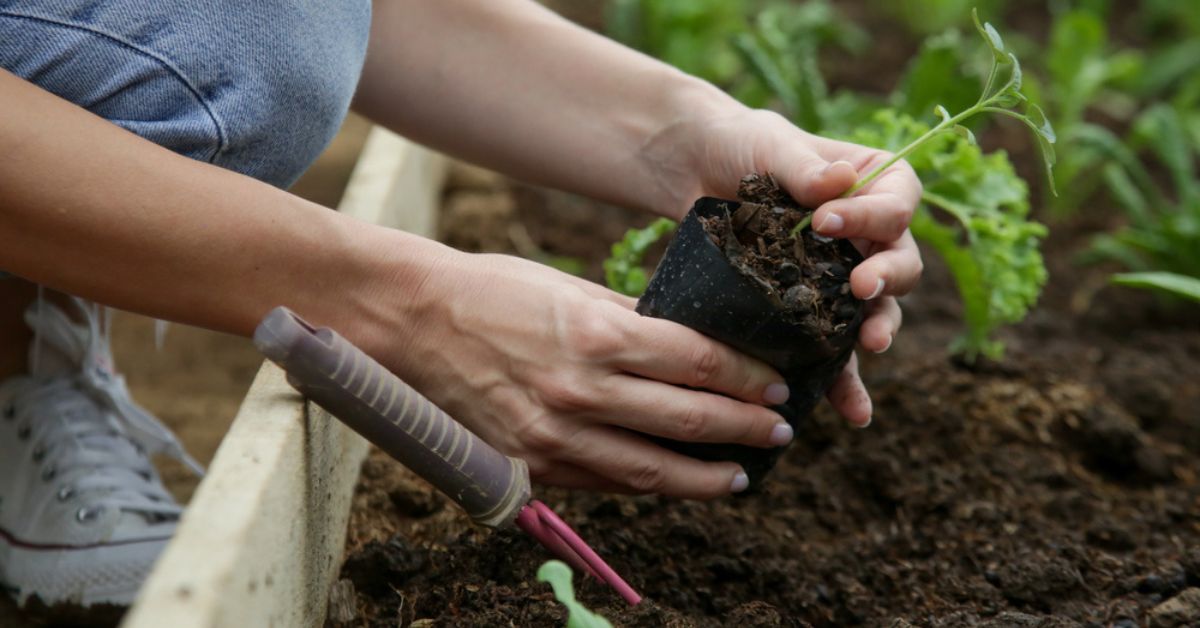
{"x": 90, "y": 209}
{"x": 515, "y": 87}
{"x": 541, "y": 364}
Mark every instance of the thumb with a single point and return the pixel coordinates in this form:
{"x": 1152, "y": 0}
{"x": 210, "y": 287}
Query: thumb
{"x": 814, "y": 180}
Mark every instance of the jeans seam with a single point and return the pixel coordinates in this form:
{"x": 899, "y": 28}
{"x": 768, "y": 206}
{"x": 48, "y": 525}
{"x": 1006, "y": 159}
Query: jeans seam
{"x": 222, "y": 136}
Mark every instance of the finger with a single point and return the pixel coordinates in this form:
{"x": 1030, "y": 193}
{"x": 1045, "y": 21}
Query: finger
{"x": 894, "y": 270}
{"x": 668, "y": 352}
{"x": 877, "y": 217}
{"x": 811, "y": 180}
{"x": 598, "y": 291}
{"x": 643, "y": 467}
{"x": 694, "y": 416}
{"x": 879, "y": 329}
{"x": 899, "y": 178}
{"x": 567, "y": 475}
{"x": 849, "y": 396}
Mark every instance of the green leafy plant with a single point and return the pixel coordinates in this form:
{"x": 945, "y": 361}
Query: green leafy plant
{"x": 989, "y": 244}
{"x": 623, "y": 270}
{"x": 558, "y": 574}
{"x": 1174, "y": 284}
{"x": 1161, "y": 244}
{"x": 780, "y": 52}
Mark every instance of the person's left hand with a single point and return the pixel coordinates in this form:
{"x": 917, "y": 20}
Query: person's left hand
{"x": 709, "y": 155}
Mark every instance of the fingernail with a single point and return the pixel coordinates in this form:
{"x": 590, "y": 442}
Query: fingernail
{"x": 740, "y": 482}
{"x": 832, "y": 223}
{"x": 878, "y": 290}
{"x": 776, "y": 394}
{"x": 867, "y": 424}
{"x": 781, "y": 435}
{"x": 826, "y": 169}
{"x": 888, "y": 345}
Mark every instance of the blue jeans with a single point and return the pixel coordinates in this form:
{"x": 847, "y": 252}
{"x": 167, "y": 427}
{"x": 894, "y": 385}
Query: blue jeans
{"x": 258, "y": 87}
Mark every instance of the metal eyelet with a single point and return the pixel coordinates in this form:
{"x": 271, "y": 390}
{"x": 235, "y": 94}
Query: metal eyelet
{"x": 49, "y": 473}
{"x": 39, "y": 453}
{"x": 65, "y": 492}
{"x": 23, "y": 432}
{"x": 89, "y": 514}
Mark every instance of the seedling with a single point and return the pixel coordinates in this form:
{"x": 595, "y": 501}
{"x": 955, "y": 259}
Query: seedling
{"x": 997, "y": 98}
{"x": 558, "y": 574}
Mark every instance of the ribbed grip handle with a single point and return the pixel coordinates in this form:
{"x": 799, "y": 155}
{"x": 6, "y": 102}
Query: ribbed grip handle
{"x": 372, "y": 401}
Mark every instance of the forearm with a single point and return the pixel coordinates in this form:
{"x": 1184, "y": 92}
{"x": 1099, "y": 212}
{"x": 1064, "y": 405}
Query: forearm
{"x": 92, "y": 210}
{"x": 512, "y": 86}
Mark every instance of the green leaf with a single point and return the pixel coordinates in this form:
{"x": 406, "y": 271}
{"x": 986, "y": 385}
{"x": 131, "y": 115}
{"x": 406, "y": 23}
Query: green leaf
{"x": 623, "y": 270}
{"x": 1126, "y": 193}
{"x": 1162, "y": 129}
{"x": 1015, "y": 78}
{"x": 990, "y": 245}
{"x": 993, "y": 39}
{"x": 1171, "y": 283}
{"x": 1076, "y": 62}
{"x": 558, "y": 574}
{"x": 965, "y": 133}
{"x": 1040, "y": 123}
{"x": 766, "y": 68}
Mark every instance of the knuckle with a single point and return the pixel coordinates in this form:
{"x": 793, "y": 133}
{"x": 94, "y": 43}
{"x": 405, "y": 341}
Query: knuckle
{"x": 565, "y": 394}
{"x": 647, "y": 475}
{"x": 705, "y": 364}
{"x": 542, "y": 436}
{"x": 595, "y": 337}
{"x": 691, "y": 424}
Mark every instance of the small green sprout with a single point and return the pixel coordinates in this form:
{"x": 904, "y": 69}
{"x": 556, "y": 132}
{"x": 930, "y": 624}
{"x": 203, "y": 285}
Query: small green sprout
{"x": 558, "y": 574}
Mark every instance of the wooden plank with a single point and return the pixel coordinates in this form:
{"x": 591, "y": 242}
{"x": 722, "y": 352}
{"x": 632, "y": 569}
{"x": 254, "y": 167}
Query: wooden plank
{"x": 261, "y": 541}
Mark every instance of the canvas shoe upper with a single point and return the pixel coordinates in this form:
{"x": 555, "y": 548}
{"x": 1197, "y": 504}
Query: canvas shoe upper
{"x": 83, "y": 513}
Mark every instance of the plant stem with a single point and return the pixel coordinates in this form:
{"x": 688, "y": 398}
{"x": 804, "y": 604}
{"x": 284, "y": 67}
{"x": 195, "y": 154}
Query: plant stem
{"x": 914, "y": 145}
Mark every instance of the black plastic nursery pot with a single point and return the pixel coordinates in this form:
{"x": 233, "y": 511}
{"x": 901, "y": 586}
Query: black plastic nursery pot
{"x": 696, "y": 285}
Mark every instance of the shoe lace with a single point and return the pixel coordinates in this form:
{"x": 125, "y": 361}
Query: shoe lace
{"x": 94, "y": 424}
{"x": 86, "y": 449}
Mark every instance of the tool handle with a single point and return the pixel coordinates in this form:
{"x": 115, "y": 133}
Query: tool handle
{"x": 372, "y": 401}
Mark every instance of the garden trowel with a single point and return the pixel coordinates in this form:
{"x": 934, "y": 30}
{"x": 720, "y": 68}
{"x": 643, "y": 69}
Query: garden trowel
{"x": 493, "y": 488}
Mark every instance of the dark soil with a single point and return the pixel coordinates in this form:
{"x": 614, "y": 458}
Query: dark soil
{"x": 805, "y": 274}
{"x": 1058, "y": 487}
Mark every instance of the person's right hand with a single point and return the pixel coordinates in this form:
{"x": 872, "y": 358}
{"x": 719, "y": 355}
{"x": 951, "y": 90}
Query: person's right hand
{"x": 563, "y": 373}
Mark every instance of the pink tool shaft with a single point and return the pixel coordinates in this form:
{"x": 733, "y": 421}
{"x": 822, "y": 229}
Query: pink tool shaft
{"x": 544, "y": 524}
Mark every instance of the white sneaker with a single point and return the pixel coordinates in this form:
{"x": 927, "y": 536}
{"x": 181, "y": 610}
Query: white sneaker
{"x": 83, "y": 513}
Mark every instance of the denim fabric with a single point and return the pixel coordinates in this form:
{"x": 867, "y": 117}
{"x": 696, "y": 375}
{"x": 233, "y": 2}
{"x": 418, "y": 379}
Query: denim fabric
{"x": 257, "y": 87}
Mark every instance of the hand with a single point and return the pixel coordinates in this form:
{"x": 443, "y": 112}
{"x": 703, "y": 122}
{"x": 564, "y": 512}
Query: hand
{"x": 708, "y": 155}
{"x": 564, "y": 374}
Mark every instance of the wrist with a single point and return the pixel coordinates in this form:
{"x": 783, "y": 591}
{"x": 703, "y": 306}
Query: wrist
{"x": 675, "y": 154}
{"x": 388, "y": 285}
